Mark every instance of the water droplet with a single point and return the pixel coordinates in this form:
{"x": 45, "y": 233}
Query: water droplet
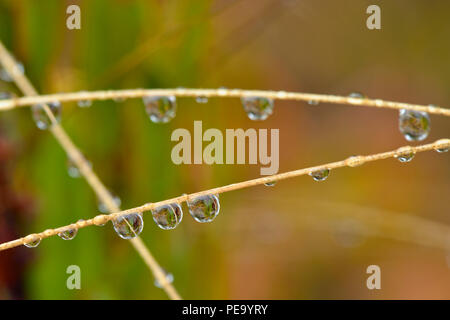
{"x": 204, "y": 208}
{"x": 32, "y": 241}
{"x": 442, "y": 145}
{"x": 103, "y": 208}
{"x": 169, "y": 279}
{"x": 6, "y": 95}
{"x": 84, "y": 103}
{"x": 73, "y": 170}
{"x": 257, "y": 108}
{"x": 160, "y": 109}
{"x": 357, "y": 95}
{"x": 270, "y": 184}
{"x": 313, "y": 102}
{"x": 405, "y": 154}
{"x": 68, "y": 234}
{"x": 414, "y": 125}
{"x": 40, "y": 116}
{"x": 129, "y": 226}
{"x": 5, "y": 76}
{"x": 201, "y": 99}
{"x": 320, "y": 175}
{"x": 168, "y": 216}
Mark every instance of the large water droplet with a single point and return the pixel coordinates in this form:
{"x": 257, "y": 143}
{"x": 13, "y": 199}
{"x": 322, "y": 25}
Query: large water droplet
{"x": 32, "y": 241}
{"x": 160, "y": 109}
{"x": 204, "y": 208}
{"x": 41, "y": 117}
{"x": 103, "y": 208}
{"x": 169, "y": 278}
{"x": 18, "y": 69}
{"x": 68, "y": 234}
{"x": 168, "y": 216}
{"x": 414, "y": 125}
{"x": 320, "y": 175}
{"x": 129, "y": 226}
{"x": 257, "y": 108}
{"x": 405, "y": 154}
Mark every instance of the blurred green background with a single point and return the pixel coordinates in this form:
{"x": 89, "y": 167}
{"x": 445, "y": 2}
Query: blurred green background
{"x": 298, "y": 240}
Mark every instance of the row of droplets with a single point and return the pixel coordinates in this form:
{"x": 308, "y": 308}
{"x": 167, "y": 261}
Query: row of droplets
{"x": 202, "y": 208}
{"x": 414, "y": 125}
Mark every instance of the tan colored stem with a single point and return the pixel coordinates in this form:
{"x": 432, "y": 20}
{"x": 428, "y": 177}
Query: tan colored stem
{"x": 221, "y": 93}
{"x": 76, "y": 156}
{"x": 349, "y": 162}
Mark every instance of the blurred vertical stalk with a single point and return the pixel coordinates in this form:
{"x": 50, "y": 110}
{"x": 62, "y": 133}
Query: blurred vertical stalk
{"x": 85, "y": 169}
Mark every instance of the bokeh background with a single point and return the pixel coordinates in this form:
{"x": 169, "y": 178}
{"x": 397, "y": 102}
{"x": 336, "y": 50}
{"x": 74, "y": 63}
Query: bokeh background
{"x": 298, "y": 240}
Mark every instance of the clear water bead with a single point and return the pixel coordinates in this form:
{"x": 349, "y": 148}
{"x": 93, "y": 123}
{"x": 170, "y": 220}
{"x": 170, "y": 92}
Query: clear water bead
{"x": 160, "y": 109}
{"x": 204, "y": 208}
{"x": 5, "y": 76}
{"x": 414, "y": 125}
{"x": 270, "y": 184}
{"x": 357, "y": 95}
{"x": 442, "y": 145}
{"x": 313, "y": 102}
{"x": 84, "y": 103}
{"x": 41, "y": 117}
{"x": 129, "y": 226}
{"x": 32, "y": 241}
{"x": 405, "y": 154}
{"x": 201, "y": 99}
{"x": 73, "y": 170}
{"x": 168, "y": 217}
{"x": 68, "y": 234}
{"x": 257, "y": 108}
{"x": 6, "y": 95}
{"x": 320, "y": 175}
{"x": 169, "y": 278}
{"x": 103, "y": 208}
